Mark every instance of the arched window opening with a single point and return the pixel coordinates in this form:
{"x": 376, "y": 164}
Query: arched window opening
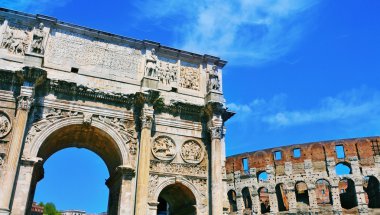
{"x": 282, "y": 199}
{"x": 232, "y": 200}
{"x": 247, "y": 198}
{"x": 264, "y": 200}
{"x": 323, "y": 192}
{"x": 371, "y": 188}
{"x": 347, "y": 193}
{"x": 302, "y": 194}
{"x": 343, "y": 169}
{"x": 262, "y": 176}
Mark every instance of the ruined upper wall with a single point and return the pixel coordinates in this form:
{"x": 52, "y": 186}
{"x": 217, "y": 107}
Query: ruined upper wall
{"x": 106, "y": 61}
{"x": 365, "y": 149}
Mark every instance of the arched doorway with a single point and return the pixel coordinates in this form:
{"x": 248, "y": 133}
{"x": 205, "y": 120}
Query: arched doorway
{"x": 282, "y": 199}
{"x": 302, "y": 194}
{"x": 232, "y": 200}
{"x": 176, "y": 199}
{"x": 97, "y": 137}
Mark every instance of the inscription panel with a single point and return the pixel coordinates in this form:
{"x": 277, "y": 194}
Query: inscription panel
{"x": 95, "y": 57}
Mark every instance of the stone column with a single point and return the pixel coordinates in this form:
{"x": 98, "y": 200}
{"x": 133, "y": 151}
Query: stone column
{"x": 144, "y": 161}
{"x": 239, "y": 203}
{"x": 337, "y": 207}
{"x": 256, "y": 202}
{"x": 215, "y": 128}
{"x": 23, "y": 189}
{"x": 25, "y": 101}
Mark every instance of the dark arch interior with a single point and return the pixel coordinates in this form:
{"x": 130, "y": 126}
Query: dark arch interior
{"x": 371, "y": 187}
{"x": 176, "y": 199}
{"x": 282, "y": 199}
{"x": 81, "y": 136}
{"x": 347, "y": 193}
{"x": 247, "y": 198}
{"x": 232, "y": 200}
{"x": 302, "y": 194}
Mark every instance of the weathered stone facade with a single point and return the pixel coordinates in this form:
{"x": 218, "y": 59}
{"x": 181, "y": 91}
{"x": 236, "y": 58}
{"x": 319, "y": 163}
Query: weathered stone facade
{"x": 305, "y": 178}
{"x": 154, "y": 114}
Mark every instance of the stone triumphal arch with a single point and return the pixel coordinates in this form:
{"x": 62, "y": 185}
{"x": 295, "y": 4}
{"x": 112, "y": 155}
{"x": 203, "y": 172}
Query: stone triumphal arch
{"x": 154, "y": 114}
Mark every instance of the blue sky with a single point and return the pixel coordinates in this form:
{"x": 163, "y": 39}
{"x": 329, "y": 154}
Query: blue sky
{"x": 299, "y": 70}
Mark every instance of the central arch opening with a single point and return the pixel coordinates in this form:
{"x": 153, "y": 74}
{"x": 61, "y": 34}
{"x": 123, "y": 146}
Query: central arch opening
{"x": 176, "y": 199}
{"x": 74, "y": 179}
{"x": 87, "y": 137}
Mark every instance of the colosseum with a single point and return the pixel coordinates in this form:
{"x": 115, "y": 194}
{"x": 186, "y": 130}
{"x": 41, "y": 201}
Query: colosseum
{"x": 332, "y": 177}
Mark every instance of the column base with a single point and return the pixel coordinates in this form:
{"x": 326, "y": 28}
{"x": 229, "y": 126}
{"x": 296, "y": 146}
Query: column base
{"x": 4, "y": 211}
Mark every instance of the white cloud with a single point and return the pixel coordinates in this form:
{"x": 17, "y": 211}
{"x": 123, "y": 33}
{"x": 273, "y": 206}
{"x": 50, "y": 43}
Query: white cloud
{"x": 358, "y": 105}
{"x": 242, "y": 31}
{"x": 33, "y": 6}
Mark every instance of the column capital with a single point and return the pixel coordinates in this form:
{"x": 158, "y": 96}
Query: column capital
{"x": 25, "y": 99}
{"x": 147, "y": 117}
{"x": 216, "y": 132}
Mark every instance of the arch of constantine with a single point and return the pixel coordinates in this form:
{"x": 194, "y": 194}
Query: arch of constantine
{"x": 156, "y": 116}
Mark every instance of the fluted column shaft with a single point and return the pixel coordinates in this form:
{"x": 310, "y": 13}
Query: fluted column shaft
{"x": 143, "y": 162}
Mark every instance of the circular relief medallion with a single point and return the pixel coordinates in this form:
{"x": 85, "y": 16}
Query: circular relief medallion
{"x": 5, "y": 125}
{"x": 192, "y": 151}
{"x": 164, "y": 148}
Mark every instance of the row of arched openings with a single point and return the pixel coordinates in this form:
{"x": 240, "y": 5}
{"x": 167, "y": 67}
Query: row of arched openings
{"x": 347, "y": 194}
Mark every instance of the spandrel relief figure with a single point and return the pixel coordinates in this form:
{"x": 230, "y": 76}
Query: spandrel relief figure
{"x": 5, "y": 125}
{"x": 151, "y": 64}
{"x": 15, "y": 40}
{"x": 164, "y": 148}
{"x": 38, "y": 38}
{"x": 213, "y": 82}
{"x": 192, "y": 152}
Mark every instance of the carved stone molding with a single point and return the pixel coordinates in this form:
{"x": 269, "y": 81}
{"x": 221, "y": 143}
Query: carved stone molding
{"x": 5, "y": 124}
{"x": 25, "y": 102}
{"x": 164, "y": 148}
{"x": 192, "y": 152}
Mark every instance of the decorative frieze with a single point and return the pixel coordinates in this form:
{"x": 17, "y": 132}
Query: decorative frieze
{"x": 178, "y": 168}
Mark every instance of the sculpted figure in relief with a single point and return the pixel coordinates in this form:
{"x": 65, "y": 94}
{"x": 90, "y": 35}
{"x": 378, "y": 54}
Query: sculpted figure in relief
{"x": 16, "y": 41}
{"x": 5, "y": 125}
{"x": 189, "y": 78}
{"x": 213, "y": 82}
{"x": 167, "y": 73}
{"x": 192, "y": 152}
{"x": 164, "y": 148}
{"x": 151, "y": 64}
{"x": 38, "y": 38}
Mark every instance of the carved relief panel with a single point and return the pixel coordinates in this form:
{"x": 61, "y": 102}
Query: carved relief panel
{"x": 190, "y": 76}
{"x": 164, "y": 148}
{"x": 5, "y": 125}
{"x": 192, "y": 152}
{"x": 15, "y": 39}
